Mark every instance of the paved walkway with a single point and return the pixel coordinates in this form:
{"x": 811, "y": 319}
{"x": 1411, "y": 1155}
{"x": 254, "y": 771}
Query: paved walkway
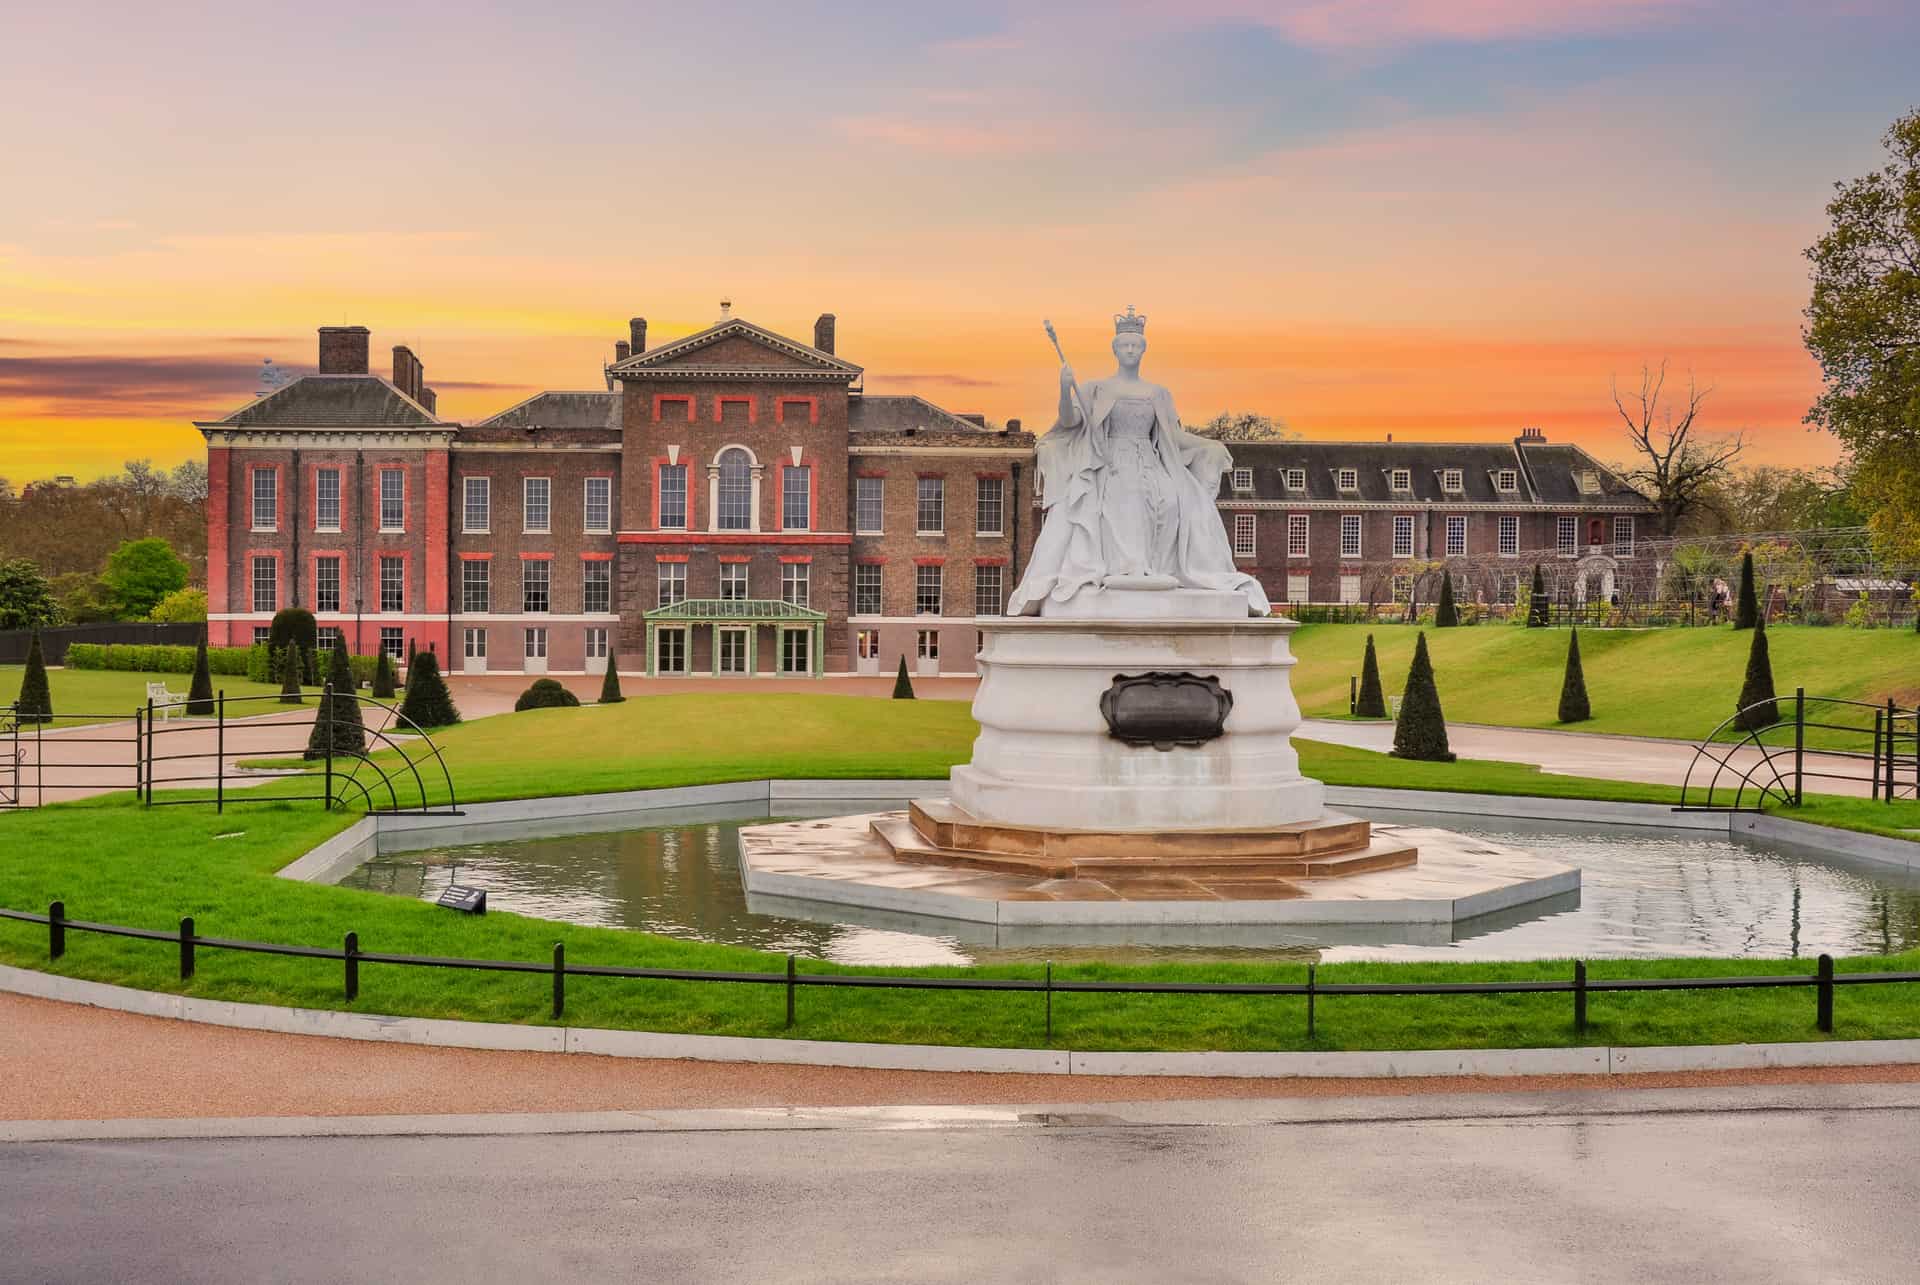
{"x": 70, "y": 1062}
{"x": 1612, "y": 758}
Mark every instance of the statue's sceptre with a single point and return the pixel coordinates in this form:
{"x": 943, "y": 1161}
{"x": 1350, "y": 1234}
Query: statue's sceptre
{"x": 1063, "y": 361}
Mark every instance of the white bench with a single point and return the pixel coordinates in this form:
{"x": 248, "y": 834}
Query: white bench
{"x": 165, "y": 703}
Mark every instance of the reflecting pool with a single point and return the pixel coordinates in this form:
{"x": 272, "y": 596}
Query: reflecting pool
{"x": 1646, "y": 891}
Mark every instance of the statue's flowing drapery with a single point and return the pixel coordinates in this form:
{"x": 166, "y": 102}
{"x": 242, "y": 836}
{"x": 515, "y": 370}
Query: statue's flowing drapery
{"x": 1128, "y": 493}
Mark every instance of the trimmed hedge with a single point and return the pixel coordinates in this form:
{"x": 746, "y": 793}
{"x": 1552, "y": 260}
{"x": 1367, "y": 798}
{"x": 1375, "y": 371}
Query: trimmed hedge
{"x": 160, "y": 658}
{"x": 546, "y": 693}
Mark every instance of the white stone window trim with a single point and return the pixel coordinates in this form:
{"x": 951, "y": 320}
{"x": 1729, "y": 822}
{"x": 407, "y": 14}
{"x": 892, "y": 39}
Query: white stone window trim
{"x": 1346, "y": 479}
{"x": 1299, "y": 523}
{"x": 1509, "y": 535}
{"x": 756, "y": 471}
{"x": 1246, "y": 528}
{"x": 1506, "y": 481}
{"x": 1623, "y": 546}
{"x": 1352, "y": 523}
{"x": 1403, "y": 522}
{"x": 254, "y": 525}
{"x": 1566, "y": 536}
{"x": 1242, "y": 478}
{"x": 881, "y": 483}
{"x": 918, "y": 503}
{"x": 1400, "y": 479}
{"x": 339, "y": 501}
{"x": 586, "y": 504}
{"x": 1296, "y": 479}
{"x": 526, "y": 507}
{"x": 1456, "y": 522}
{"x": 466, "y": 505}
{"x": 380, "y": 498}
{"x": 1453, "y": 480}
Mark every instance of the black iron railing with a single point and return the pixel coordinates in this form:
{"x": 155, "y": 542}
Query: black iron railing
{"x": 1580, "y": 987}
{"x": 1761, "y": 754}
{"x": 401, "y": 781}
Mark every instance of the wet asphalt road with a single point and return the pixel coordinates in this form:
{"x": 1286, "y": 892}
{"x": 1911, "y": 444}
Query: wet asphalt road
{"x": 1727, "y": 1186}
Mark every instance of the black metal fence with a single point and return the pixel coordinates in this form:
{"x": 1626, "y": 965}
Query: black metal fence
{"x": 188, "y": 941}
{"x": 55, "y": 641}
{"x": 1760, "y": 755}
{"x": 34, "y": 763}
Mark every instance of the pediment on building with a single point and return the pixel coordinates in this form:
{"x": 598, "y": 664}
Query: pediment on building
{"x": 735, "y": 349}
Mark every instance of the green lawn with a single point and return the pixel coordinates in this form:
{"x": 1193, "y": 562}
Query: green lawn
{"x": 1678, "y": 683}
{"x": 110, "y": 861}
{"x": 83, "y": 696}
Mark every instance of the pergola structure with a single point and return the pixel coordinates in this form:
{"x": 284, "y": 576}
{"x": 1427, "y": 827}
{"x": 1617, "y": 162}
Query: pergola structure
{"x": 736, "y": 625}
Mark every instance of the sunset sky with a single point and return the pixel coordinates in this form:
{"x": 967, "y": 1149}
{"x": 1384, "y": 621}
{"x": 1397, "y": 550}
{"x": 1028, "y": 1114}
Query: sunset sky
{"x": 1442, "y": 220}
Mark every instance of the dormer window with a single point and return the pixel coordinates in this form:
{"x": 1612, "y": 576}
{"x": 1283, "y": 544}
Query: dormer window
{"x": 1347, "y": 479}
{"x": 1452, "y": 480}
{"x": 1507, "y": 480}
{"x": 1401, "y": 480}
{"x": 1589, "y": 481}
{"x": 1243, "y": 479}
{"x": 1296, "y": 479}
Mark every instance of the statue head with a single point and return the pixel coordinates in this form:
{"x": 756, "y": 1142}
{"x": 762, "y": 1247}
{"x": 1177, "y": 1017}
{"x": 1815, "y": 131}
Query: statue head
{"x": 1129, "y": 337}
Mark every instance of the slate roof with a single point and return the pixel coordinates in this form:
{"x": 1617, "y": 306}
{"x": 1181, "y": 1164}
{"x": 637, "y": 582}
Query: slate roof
{"x": 334, "y": 401}
{"x": 877, "y": 420}
{"x": 560, "y": 410}
{"x": 1547, "y": 474}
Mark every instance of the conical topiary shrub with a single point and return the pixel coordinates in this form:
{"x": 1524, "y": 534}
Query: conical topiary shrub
{"x": 383, "y": 677}
{"x": 290, "y": 677}
{"x": 902, "y": 685}
{"x": 1446, "y": 615}
{"x": 1757, "y": 707}
{"x": 1539, "y": 610}
{"x": 339, "y": 720}
{"x": 1421, "y": 732}
{"x": 1574, "y": 707}
{"x": 1747, "y": 611}
{"x": 200, "y": 690}
{"x": 428, "y": 703}
{"x": 610, "y": 693}
{"x": 35, "y": 704}
{"x": 1372, "y": 702}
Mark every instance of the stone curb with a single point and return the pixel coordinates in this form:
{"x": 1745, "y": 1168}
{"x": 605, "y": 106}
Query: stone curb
{"x": 440, "y": 1033}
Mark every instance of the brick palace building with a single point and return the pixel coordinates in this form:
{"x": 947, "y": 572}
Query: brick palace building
{"x": 734, "y": 502}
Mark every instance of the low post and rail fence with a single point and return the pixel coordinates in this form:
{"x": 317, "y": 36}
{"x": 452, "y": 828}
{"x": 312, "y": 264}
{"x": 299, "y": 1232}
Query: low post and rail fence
{"x": 1763, "y": 755}
{"x": 351, "y": 957}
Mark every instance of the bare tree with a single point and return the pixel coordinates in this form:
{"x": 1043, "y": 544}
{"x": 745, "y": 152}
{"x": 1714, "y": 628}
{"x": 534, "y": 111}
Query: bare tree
{"x": 1679, "y": 466}
{"x": 1244, "y": 426}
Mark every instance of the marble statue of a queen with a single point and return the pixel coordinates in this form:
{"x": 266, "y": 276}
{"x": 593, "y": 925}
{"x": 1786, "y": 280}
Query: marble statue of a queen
{"x": 1128, "y": 493}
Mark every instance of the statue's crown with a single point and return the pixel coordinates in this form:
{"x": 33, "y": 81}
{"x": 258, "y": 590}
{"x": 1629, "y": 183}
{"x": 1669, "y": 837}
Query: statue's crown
{"x": 1129, "y": 322}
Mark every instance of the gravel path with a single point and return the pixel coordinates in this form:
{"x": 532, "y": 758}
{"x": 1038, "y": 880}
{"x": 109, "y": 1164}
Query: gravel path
{"x": 70, "y": 1062}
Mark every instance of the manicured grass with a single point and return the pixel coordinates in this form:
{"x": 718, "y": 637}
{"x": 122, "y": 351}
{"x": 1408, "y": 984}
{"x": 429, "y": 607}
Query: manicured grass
{"x": 1678, "y": 683}
{"x": 111, "y": 861}
{"x": 83, "y": 696}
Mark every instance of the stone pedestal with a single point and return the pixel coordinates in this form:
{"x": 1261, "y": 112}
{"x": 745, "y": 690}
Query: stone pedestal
{"x": 1046, "y": 756}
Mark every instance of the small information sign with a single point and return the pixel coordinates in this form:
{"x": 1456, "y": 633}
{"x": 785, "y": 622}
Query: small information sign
{"x": 459, "y": 896}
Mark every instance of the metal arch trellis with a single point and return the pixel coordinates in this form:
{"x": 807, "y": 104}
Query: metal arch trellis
{"x": 402, "y": 784}
{"x": 1736, "y": 768}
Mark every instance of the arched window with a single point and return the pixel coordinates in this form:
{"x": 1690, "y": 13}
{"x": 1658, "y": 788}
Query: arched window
{"x": 733, "y": 510}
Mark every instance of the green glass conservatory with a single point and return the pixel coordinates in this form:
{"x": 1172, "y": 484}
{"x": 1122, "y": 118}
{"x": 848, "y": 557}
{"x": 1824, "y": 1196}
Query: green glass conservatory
{"x": 735, "y": 625}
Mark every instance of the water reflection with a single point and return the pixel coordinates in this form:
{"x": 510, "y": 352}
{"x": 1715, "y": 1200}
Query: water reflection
{"x": 1645, "y": 892}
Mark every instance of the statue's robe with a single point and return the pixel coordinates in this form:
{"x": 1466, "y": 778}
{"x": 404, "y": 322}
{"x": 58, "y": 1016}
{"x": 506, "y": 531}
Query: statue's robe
{"x": 1068, "y": 555}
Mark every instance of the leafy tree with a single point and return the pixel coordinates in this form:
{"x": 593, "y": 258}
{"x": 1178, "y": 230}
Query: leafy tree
{"x": 1747, "y": 612}
{"x": 182, "y": 606}
{"x": 428, "y": 703}
{"x": 200, "y": 690}
{"x": 1421, "y": 730}
{"x": 1678, "y": 466}
{"x": 338, "y": 720}
{"x": 1863, "y": 327}
{"x": 610, "y": 693}
{"x": 35, "y": 702}
{"x": 82, "y": 598}
{"x": 139, "y": 574}
{"x": 546, "y": 693}
{"x": 1573, "y": 687}
{"x": 26, "y": 596}
{"x": 383, "y": 686}
{"x": 1757, "y": 707}
{"x": 1446, "y": 615}
{"x": 902, "y": 685}
{"x": 1539, "y": 607}
{"x": 1372, "y": 702}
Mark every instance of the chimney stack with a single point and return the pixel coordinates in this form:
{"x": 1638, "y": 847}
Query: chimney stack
{"x": 403, "y": 369}
{"x": 823, "y": 333}
{"x": 343, "y": 350}
{"x": 622, "y": 350}
{"x": 1013, "y": 426}
{"x": 431, "y": 401}
{"x": 638, "y": 327}
{"x": 1530, "y": 436}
